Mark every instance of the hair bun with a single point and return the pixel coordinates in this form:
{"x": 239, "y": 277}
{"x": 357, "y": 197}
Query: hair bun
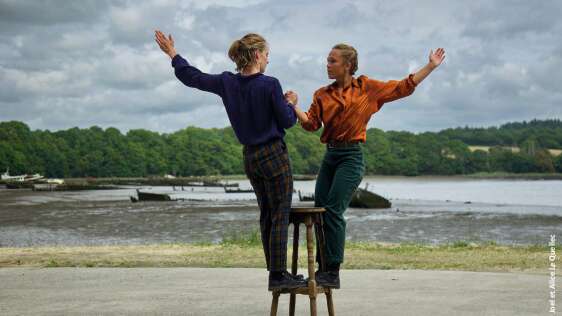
{"x": 241, "y": 44}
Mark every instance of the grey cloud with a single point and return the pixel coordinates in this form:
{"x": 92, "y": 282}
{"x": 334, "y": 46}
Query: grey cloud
{"x": 133, "y": 24}
{"x": 65, "y": 64}
{"x": 345, "y": 16}
{"x": 494, "y": 20}
{"x": 217, "y": 27}
{"x": 49, "y": 12}
{"x": 53, "y": 47}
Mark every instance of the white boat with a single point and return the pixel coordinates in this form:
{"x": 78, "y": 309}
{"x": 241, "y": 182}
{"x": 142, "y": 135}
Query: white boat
{"x": 55, "y": 181}
{"x": 7, "y": 177}
{"x": 33, "y": 177}
{"x": 21, "y": 178}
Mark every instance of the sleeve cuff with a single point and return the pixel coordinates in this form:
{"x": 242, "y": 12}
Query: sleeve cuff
{"x": 179, "y": 61}
{"x": 411, "y": 80}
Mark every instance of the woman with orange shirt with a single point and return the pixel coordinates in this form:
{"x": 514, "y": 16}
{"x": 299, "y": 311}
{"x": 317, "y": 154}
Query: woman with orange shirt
{"x": 344, "y": 109}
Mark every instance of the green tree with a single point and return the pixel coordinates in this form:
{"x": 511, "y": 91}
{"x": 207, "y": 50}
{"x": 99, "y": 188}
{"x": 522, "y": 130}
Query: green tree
{"x": 558, "y": 163}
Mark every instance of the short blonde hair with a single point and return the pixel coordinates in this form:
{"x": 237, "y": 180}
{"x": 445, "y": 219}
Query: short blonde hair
{"x": 349, "y": 54}
{"x": 242, "y": 51}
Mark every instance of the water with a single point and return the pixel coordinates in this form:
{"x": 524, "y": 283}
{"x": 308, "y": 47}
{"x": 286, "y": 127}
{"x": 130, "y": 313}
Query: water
{"x": 429, "y": 210}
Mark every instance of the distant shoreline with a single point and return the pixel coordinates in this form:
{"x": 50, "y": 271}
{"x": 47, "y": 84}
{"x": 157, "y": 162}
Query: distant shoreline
{"x": 230, "y": 178}
{"x": 304, "y": 177}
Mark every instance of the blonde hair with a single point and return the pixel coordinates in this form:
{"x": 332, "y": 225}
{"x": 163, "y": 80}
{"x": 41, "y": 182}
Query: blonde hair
{"x": 349, "y": 54}
{"x": 242, "y": 51}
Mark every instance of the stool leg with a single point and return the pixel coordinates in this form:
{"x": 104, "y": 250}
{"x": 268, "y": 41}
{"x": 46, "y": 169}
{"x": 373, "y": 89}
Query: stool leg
{"x": 313, "y": 306}
{"x": 330, "y": 302}
{"x": 311, "y": 276}
{"x": 294, "y": 266}
{"x": 274, "y": 303}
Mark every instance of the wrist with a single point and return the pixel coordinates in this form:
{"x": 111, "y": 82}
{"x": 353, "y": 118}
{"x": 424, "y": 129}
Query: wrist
{"x": 431, "y": 65}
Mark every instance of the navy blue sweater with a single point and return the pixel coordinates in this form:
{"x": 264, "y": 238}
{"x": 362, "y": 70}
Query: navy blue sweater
{"x": 255, "y": 104}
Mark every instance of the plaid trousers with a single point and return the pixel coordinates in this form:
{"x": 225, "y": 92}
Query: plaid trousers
{"x": 269, "y": 170}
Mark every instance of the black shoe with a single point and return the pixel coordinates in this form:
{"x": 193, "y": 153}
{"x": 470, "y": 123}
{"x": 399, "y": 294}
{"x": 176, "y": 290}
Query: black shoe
{"x": 329, "y": 279}
{"x": 285, "y": 281}
{"x": 297, "y": 277}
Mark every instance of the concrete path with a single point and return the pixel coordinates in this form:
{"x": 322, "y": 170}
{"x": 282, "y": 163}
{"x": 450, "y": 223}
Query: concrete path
{"x": 194, "y": 291}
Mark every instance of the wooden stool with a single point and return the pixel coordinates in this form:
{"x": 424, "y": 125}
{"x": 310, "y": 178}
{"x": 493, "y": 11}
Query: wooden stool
{"x": 309, "y": 216}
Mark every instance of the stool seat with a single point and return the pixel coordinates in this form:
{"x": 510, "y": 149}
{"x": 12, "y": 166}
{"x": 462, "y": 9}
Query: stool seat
{"x": 304, "y": 290}
{"x": 310, "y": 216}
{"x": 307, "y": 210}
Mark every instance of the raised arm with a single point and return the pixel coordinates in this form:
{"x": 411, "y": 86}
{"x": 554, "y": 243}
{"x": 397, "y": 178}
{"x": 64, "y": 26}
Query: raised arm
{"x": 435, "y": 59}
{"x": 395, "y": 89}
{"x": 186, "y": 73}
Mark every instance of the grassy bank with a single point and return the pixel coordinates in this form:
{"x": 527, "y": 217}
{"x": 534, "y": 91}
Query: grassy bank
{"x": 524, "y": 176}
{"x": 247, "y": 252}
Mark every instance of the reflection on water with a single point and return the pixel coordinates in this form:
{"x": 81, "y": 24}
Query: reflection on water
{"x": 430, "y": 210}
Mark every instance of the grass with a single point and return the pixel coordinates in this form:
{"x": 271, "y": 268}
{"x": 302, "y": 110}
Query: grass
{"x": 246, "y": 239}
{"x": 460, "y": 255}
{"x": 508, "y": 175}
{"x": 245, "y": 250}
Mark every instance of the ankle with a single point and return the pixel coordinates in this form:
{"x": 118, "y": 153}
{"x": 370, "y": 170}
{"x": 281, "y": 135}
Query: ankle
{"x": 276, "y": 274}
{"x": 334, "y": 267}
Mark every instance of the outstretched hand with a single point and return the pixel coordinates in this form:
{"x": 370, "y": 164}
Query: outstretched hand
{"x": 437, "y": 57}
{"x": 166, "y": 43}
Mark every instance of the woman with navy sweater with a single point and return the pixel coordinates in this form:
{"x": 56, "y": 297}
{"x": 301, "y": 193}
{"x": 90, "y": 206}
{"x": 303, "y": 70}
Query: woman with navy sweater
{"x": 259, "y": 113}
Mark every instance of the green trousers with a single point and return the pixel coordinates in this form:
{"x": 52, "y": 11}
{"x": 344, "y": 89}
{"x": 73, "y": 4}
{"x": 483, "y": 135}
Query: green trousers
{"x": 340, "y": 174}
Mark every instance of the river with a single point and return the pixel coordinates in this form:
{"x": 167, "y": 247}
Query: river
{"x": 431, "y": 210}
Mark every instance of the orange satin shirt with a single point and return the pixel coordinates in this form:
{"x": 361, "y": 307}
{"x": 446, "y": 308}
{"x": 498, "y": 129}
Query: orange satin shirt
{"x": 345, "y": 116}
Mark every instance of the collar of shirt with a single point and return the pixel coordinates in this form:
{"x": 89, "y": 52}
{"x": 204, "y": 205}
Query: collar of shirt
{"x": 354, "y": 83}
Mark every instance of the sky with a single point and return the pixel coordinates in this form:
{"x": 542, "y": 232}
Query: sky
{"x": 84, "y": 63}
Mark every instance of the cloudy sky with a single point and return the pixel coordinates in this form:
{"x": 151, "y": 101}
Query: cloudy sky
{"x": 85, "y": 63}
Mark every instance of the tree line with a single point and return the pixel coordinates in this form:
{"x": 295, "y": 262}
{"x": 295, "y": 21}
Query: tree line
{"x": 545, "y": 133}
{"x": 97, "y": 152}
